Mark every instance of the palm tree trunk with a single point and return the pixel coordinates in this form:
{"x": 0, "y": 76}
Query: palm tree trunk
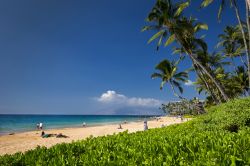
{"x": 201, "y": 75}
{"x": 243, "y": 62}
{"x": 248, "y": 28}
{"x": 247, "y": 20}
{"x": 217, "y": 92}
{"x": 248, "y": 3}
{"x": 244, "y": 38}
{"x": 217, "y": 84}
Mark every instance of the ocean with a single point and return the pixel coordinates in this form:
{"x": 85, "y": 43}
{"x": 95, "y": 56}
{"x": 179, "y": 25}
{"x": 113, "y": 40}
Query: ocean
{"x": 21, "y": 123}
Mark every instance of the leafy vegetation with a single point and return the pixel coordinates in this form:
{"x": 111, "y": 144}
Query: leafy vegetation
{"x": 221, "y": 137}
{"x": 184, "y": 107}
{"x": 223, "y": 74}
{"x": 168, "y": 73}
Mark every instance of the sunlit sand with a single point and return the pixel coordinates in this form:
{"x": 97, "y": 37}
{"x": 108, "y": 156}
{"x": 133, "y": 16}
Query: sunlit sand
{"x": 21, "y": 142}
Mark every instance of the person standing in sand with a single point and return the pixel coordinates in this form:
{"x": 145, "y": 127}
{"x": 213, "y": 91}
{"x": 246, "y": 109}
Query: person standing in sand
{"x": 145, "y": 125}
{"x": 37, "y": 126}
{"x": 40, "y": 125}
{"x": 120, "y": 126}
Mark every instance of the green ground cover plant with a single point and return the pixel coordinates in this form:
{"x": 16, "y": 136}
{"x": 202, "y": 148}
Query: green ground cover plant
{"x": 220, "y": 137}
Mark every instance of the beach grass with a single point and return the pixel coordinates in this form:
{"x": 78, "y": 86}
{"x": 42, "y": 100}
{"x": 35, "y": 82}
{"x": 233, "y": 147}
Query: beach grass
{"x": 220, "y": 137}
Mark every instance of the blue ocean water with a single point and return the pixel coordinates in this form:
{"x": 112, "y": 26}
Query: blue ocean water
{"x": 19, "y": 123}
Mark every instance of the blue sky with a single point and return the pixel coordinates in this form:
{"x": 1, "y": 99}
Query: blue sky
{"x": 60, "y": 57}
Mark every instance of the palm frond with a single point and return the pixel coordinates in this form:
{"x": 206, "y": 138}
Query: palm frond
{"x": 181, "y": 7}
{"x": 170, "y": 40}
{"x": 205, "y": 3}
{"x": 177, "y": 84}
{"x": 156, "y": 75}
{"x": 201, "y": 43}
{"x": 164, "y": 66}
{"x": 200, "y": 26}
{"x": 222, "y": 6}
{"x": 155, "y": 36}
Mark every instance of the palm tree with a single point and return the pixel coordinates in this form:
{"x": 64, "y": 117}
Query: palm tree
{"x": 242, "y": 79}
{"x": 167, "y": 20}
{"x": 212, "y": 62}
{"x": 204, "y": 85}
{"x": 168, "y": 74}
{"x": 236, "y": 84}
{"x": 233, "y": 3}
{"x": 230, "y": 41}
{"x": 232, "y": 86}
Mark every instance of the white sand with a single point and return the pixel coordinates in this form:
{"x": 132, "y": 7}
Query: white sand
{"x": 21, "y": 142}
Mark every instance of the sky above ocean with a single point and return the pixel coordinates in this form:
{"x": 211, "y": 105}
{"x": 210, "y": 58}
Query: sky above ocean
{"x": 87, "y": 57}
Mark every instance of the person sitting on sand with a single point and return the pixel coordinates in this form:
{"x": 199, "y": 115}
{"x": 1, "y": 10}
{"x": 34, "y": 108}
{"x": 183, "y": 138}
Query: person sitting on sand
{"x": 120, "y": 126}
{"x": 60, "y": 135}
{"x": 84, "y": 124}
{"x": 42, "y": 134}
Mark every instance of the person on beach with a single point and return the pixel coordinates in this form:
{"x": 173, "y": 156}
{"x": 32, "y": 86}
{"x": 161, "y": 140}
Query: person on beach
{"x": 120, "y": 126}
{"x": 37, "y": 126}
{"x": 84, "y": 124}
{"x": 145, "y": 125}
{"x": 40, "y": 126}
{"x": 60, "y": 135}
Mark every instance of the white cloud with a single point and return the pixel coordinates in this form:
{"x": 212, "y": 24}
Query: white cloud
{"x": 111, "y": 97}
{"x": 189, "y": 83}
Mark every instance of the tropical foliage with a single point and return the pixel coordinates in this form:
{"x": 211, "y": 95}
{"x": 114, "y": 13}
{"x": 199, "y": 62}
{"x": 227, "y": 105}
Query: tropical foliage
{"x": 221, "y": 75}
{"x": 184, "y": 107}
{"x": 244, "y": 30}
{"x": 168, "y": 73}
{"x": 221, "y": 137}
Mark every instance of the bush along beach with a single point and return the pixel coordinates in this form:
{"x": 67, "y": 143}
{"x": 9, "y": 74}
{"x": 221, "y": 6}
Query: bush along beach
{"x": 220, "y": 137}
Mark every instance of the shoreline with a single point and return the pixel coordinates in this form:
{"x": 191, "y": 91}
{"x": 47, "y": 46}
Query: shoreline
{"x": 23, "y": 141}
{"x": 70, "y": 127}
{"x": 79, "y": 125}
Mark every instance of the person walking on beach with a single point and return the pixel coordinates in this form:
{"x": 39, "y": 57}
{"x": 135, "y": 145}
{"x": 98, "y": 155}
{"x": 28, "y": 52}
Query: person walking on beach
{"x": 145, "y": 125}
{"x": 120, "y": 126}
{"x": 182, "y": 118}
{"x": 40, "y": 125}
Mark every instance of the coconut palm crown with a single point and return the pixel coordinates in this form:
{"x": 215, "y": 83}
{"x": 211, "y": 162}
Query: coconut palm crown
{"x": 168, "y": 74}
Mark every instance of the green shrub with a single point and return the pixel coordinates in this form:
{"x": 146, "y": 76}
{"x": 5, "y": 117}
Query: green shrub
{"x": 209, "y": 139}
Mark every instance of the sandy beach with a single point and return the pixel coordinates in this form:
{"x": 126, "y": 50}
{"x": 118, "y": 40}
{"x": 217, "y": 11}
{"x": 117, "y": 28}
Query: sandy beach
{"x": 21, "y": 142}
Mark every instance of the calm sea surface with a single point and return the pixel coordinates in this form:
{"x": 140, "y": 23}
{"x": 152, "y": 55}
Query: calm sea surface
{"x": 19, "y": 123}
